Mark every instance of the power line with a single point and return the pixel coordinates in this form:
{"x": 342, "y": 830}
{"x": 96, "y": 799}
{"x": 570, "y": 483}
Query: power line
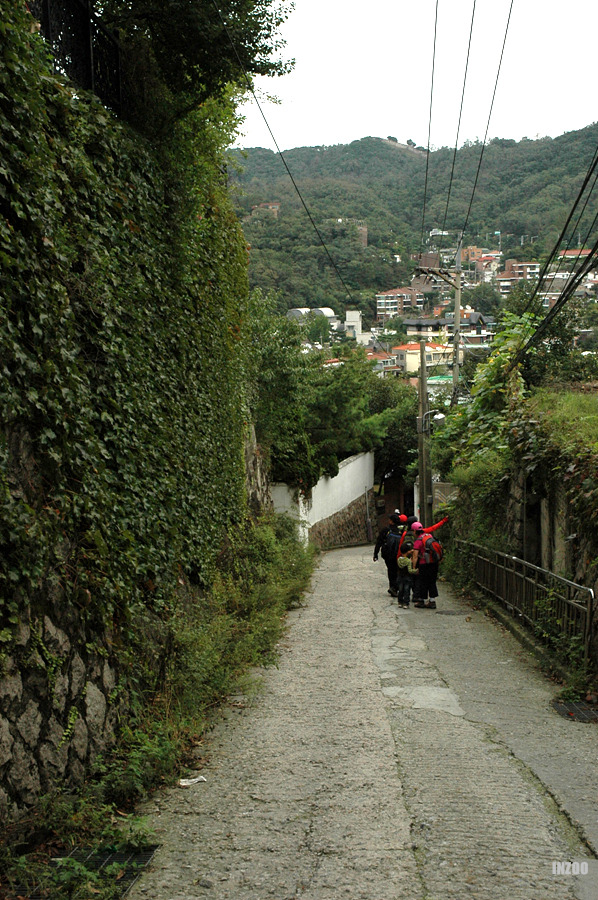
{"x": 459, "y": 122}
{"x": 278, "y": 150}
{"x": 563, "y": 298}
{"x": 429, "y": 129}
{"x": 592, "y": 170}
{"x": 489, "y": 117}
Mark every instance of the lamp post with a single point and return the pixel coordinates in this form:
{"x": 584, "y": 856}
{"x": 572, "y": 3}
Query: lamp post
{"x": 424, "y": 423}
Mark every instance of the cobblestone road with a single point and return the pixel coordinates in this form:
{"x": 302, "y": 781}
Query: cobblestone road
{"x": 392, "y": 754}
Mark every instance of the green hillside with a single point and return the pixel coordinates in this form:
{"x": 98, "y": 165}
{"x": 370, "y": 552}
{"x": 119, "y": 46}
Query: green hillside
{"x": 525, "y": 190}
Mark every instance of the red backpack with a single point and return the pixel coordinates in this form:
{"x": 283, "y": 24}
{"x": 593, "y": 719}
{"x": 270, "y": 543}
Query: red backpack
{"x": 433, "y": 549}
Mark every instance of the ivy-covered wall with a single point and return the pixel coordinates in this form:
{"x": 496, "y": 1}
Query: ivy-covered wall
{"x": 121, "y": 404}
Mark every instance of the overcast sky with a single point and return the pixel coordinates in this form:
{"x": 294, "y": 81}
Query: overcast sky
{"x": 366, "y": 69}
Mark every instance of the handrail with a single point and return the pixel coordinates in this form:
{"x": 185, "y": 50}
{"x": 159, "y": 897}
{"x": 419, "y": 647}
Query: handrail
{"x": 548, "y": 603}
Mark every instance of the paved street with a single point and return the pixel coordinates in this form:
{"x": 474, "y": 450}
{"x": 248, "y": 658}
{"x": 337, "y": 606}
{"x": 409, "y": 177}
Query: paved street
{"x": 392, "y": 754}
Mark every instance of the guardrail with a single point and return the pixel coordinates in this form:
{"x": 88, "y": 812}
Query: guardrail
{"x": 554, "y": 607}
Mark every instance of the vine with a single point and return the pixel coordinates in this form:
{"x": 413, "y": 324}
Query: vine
{"x": 124, "y": 288}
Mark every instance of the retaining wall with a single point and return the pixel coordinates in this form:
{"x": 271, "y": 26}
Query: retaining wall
{"x": 338, "y": 509}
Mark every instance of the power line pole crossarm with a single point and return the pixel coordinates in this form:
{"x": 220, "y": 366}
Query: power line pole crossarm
{"x": 455, "y": 283}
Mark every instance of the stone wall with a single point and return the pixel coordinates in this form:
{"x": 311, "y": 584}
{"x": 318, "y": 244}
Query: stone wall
{"x": 61, "y": 694}
{"x": 349, "y": 526}
{"x": 59, "y": 705}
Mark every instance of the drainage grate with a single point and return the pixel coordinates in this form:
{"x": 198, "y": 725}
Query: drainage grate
{"x": 127, "y": 864}
{"x": 451, "y": 612}
{"x": 580, "y": 712}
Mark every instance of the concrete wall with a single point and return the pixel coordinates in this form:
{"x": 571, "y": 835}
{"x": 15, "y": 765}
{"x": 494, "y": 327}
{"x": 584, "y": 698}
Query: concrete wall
{"x": 339, "y": 507}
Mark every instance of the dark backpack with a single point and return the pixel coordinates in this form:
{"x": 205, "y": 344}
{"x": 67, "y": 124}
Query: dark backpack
{"x": 433, "y": 549}
{"x": 390, "y": 547}
{"x": 407, "y": 543}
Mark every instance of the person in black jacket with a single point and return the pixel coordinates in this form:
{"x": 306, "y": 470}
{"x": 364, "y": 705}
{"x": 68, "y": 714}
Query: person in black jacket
{"x": 387, "y": 543}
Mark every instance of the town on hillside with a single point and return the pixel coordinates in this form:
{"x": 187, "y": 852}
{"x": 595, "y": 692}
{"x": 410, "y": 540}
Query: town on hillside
{"x": 424, "y": 310}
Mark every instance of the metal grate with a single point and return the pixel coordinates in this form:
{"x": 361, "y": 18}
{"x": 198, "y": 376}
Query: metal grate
{"x": 451, "y": 612}
{"x": 580, "y": 712}
{"x": 128, "y": 864}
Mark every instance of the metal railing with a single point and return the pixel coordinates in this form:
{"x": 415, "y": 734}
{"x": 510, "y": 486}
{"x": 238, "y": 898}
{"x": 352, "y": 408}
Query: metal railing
{"x": 556, "y": 609}
{"x": 83, "y": 49}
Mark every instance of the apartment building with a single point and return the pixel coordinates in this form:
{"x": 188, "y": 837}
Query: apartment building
{"x": 396, "y": 301}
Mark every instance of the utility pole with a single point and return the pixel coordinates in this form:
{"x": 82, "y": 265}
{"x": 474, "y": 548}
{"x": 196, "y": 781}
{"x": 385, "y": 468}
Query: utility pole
{"x": 457, "y": 325}
{"x": 425, "y": 471}
{"x": 455, "y": 283}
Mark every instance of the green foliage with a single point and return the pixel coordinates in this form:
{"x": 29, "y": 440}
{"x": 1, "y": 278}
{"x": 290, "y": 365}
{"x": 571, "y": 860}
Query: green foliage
{"x": 337, "y": 419}
{"x": 396, "y": 402}
{"x": 280, "y": 378}
{"x": 208, "y": 642}
{"x": 308, "y": 414}
{"x": 483, "y": 485}
{"x": 123, "y": 285}
{"x": 193, "y": 52}
{"x": 546, "y": 435}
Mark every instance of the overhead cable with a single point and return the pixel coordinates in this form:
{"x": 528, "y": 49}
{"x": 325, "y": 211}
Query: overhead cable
{"x": 592, "y": 171}
{"x": 429, "y": 129}
{"x": 489, "y": 117}
{"x": 459, "y": 122}
{"x": 278, "y": 150}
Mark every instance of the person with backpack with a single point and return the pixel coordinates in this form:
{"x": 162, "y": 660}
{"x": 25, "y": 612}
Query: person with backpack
{"x": 387, "y": 543}
{"x": 405, "y": 572}
{"x": 427, "y": 553}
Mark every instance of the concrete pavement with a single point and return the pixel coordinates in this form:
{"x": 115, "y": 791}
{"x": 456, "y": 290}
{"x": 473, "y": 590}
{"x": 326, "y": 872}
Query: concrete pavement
{"x": 392, "y": 754}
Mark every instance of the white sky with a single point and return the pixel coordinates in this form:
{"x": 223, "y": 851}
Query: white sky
{"x": 365, "y": 69}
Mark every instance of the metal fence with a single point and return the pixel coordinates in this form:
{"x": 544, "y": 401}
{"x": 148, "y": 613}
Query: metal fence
{"x": 83, "y": 49}
{"x": 559, "y": 611}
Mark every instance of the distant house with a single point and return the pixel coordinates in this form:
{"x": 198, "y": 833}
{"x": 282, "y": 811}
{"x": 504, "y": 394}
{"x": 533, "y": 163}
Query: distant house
{"x": 427, "y": 260}
{"x": 573, "y": 255}
{"x": 385, "y": 363}
{"x": 271, "y": 208}
{"x": 436, "y": 355}
{"x": 487, "y": 267}
{"x": 515, "y": 271}
{"x": 472, "y": 254}
{"x": 395, "y": 301}
{"x": 354, "y": 329}
{"x": 433, "y": 328}
{"x": 300, "y": 312}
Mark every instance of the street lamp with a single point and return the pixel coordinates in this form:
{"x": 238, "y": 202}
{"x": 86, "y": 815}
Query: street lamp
{"x": 424, "y": 423}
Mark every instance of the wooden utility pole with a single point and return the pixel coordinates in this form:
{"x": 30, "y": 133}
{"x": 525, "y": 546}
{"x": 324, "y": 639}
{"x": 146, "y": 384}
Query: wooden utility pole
{"x": 457, "y": 326}
{"x": 455, "y": 283}
{"x": 425, "y": 471}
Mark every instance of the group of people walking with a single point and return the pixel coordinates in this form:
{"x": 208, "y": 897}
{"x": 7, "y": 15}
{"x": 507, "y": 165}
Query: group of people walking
{"x": 411, "y": 558}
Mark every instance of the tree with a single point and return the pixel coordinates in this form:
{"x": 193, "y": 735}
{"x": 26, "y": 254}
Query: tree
{"x": 317, "y": 328}
{"x": 338, "y": 418}
{"x": 396, "y": 401}
{"x": 196, "y": 49}
{"x": 279, "y": 376}
{"x": 484, "y": 298}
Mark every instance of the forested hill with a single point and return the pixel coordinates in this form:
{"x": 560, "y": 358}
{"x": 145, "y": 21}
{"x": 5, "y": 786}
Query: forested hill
{"x": 525, "y": 190}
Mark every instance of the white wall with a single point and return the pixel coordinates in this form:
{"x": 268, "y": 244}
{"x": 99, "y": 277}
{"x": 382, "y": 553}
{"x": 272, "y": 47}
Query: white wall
{"x": 329, "y": 496}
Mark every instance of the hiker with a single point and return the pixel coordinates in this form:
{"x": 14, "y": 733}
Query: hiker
{"x": 425, "y": 590}
{"x": 405, "y": 573}
{"x": 387, "y": 544}
{"x": 409, "y": 522}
